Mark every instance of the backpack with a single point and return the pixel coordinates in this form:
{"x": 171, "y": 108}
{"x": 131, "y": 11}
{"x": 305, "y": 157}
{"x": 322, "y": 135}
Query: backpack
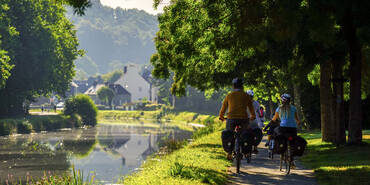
{"x": 299, "y": 146}
{"x": 228, "y": 141}
{"x": 280, "y": 144}
{"x": 257, "y": 136}
{"x": 247, "y": 140}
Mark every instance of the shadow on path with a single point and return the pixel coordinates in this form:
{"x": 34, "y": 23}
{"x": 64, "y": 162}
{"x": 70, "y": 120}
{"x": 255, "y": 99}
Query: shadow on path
{"x": 263, "y": 170}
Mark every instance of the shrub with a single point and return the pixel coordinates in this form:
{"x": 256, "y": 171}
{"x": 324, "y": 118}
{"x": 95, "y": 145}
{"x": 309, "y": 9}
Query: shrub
{"x": 24, "y": 127}
{"x": 83, "y": 106}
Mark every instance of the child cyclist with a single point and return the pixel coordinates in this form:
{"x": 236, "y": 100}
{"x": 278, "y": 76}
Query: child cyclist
{"x": 269, "y": 129}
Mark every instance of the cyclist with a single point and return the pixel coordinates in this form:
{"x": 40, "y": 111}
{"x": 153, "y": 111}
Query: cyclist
{"x": 256, "y": 107}
{"x": 236, "y": 102}
{"x": 288, "y": 117}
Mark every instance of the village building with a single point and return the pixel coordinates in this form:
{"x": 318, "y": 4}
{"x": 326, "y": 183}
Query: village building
{"x": 139, "y": 88}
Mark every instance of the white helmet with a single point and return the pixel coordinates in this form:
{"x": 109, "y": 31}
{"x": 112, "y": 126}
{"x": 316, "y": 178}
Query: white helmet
{"x": 250, "y": 93}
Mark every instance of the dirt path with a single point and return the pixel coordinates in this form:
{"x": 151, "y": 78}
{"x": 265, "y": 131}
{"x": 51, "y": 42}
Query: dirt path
{"x": 44, "y": 113}
{"x": 266, "y": 171}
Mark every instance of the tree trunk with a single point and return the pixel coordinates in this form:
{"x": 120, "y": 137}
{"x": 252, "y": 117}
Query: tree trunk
{"x": 297, "y": 100}
{"x": 355, "y": 110}
{"x": 338, "y": 101}
{"x": 327, "y": 126}
{"x": 173, "y": 101}
{"x": 271, "y": 106}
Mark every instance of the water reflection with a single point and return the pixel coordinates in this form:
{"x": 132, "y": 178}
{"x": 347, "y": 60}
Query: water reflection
{"x": 109, "y": 151}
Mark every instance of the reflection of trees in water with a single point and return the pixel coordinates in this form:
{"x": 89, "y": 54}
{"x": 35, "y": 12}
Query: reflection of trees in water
{"x": 140, "y": 141}
{"x": 41, "y": 154}
{"x": 83, "y": 144}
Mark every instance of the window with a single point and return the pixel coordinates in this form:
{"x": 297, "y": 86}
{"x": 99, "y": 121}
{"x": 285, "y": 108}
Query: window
{"x": 140, "y": 89}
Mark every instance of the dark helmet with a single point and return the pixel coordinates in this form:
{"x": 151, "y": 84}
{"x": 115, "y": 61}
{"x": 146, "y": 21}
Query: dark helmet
{"x": 237, "y": 82}
{"x": 285, "y": 98}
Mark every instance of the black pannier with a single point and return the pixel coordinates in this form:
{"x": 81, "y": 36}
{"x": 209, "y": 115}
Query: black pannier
{"x": 247, "y": 140}
{"x": 280, "y": 144}
{"x": 299, "y": 146}
{"x": 228, "y": 140}
{"x": 257, "y": 136}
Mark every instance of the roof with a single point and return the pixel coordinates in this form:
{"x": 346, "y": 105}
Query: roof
{"x": 118, "y": 89}
{"x": 94, "y": 89}
{"x": 73, "y": 84}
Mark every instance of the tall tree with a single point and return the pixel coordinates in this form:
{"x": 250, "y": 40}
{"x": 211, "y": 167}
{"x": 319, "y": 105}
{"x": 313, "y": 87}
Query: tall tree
{"x": 42, "y": 52}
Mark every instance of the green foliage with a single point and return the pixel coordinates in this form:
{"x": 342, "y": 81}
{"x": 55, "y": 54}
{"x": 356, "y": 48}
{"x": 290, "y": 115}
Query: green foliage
{"x": 37, "y": 123}
{"x": 106, "y": 94}
{"x": 332, "y": 164}
{"x": 83, "y": 106}
{"x": 76, "y": 178}
{"x": 41, "y": 43}
{"x": 112, "y": 76}
{"x": 24, "y": 127}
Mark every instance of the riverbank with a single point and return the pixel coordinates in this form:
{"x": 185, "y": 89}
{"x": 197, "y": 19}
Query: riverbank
{"x": 341, "y": 165}
{"x": 108, "y": 116}
{"x": 202, "y": 161}
{"x": 37, "y": 123}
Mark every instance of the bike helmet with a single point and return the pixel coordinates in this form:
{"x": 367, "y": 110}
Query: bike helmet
{"x": 285, "y": 97}
{"x": 250, "y": 93}
{"x": 237, "y": 82}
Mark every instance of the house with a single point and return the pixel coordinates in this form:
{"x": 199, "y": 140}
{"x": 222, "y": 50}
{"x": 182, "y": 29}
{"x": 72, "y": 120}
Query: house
{"x": 73, "y": 90}
{"x": 121, "y": 95}
{"x": 135, "y": 84}
{"x": 93, "y": 92}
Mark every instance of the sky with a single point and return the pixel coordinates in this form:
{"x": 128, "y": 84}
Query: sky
{"x": 146, "y": 5}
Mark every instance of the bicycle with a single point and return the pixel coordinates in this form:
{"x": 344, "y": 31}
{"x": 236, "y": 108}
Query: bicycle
{"x": 270, "y": 148}
{"x": 287, "y": 157}
{"x": 238, "y": 152}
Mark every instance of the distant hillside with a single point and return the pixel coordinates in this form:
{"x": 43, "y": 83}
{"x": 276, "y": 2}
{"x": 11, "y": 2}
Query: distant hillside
{"x": 113, "y": 37}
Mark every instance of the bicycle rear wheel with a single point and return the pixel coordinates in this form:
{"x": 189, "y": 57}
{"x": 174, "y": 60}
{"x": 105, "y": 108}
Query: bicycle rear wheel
{"x": 238, "y": 154}
{"x": 288, "y": 160}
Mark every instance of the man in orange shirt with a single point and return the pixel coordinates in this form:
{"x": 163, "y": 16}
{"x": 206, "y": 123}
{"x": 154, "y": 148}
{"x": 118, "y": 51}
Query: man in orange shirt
{"x": 237, "y": 102}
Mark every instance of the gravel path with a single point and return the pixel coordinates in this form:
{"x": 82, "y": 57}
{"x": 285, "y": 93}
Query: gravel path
{"x": 263, "y": 170}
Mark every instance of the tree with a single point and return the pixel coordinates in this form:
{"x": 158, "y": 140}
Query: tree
{"x": 42, "y": 49}
{"x": 206, "y": 43}
{"x": 106, "y": 95}
{"x": 83, "y": 106}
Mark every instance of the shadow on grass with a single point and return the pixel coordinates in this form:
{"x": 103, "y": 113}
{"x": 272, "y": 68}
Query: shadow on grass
{"x": 207, "y": 145}
{"x": 348, "y": 164}
{"x": 196, "y": 173}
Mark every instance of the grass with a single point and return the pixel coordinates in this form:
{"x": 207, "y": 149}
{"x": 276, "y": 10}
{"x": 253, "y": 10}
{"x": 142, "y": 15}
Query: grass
{"x": 348, "y": 164}
{"x": 201, "y": 162}
{"x": 76, "y": 178}
{"x": 37, "y": 123}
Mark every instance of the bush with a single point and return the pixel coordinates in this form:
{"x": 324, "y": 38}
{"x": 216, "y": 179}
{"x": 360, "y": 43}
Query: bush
{"x": 83, "y": 106}
{"x": 24, "y": 127}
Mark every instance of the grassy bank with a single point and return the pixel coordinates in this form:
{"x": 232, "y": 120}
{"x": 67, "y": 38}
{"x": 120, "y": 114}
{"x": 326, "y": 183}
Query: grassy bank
{"x": 37, "y": 123}
{"x": 201, "y": 162}
{"x": 106, "y": 116}
{"x": 338, "y": 165}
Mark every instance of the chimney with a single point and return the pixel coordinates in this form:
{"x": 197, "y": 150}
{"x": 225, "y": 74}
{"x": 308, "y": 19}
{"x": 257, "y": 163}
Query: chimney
{"x": 124, "y": 69}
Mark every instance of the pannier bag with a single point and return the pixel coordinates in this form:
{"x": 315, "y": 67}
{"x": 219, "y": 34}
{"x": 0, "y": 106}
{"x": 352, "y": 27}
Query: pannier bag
{"x": 299, "y": 146}
{"x": 257, "y": 136}
{"x": 227, "y": 137}
{"x": 280, "y": 144}
{"x": 247, "y": 140}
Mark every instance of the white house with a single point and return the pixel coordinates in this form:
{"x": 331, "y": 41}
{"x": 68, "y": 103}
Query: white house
{"x": 135, "y": 84}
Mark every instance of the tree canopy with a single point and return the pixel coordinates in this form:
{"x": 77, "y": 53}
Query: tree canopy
{"x": 273, "y": 45}
{"x": 39, "y": 43}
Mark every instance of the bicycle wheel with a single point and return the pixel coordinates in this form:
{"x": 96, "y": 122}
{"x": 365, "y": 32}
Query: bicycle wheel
{"x": 288, "y": 160}
{"x": 249, "y": 157}
{"x": 282, "y": 159}
{"x": 238, "y": 154}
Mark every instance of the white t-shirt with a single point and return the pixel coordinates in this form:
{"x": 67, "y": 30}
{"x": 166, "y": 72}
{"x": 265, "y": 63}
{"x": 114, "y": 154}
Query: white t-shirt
{"x": 257, "y": 122}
